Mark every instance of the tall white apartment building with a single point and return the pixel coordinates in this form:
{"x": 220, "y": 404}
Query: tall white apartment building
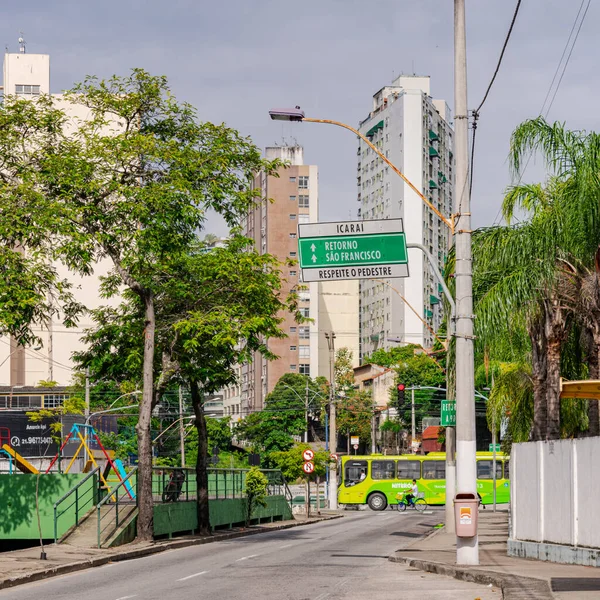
{"x": 286, "y": 201}
{"x": 414, "y": 131}
{"x": 28, "y": 76}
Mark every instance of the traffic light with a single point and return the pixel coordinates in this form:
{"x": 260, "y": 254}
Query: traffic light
{"x": 400, "y": 395}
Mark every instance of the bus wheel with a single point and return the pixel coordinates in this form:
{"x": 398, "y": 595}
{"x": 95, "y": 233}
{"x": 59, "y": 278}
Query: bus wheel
{"x": 377, "y": 501}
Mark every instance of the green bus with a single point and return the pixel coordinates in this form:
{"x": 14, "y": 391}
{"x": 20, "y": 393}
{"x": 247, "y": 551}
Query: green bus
{"x": 376, "y": 479}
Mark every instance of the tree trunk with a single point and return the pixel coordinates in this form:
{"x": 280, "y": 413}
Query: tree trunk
{"x": 539, "y": 376}
{"x": 594, "y": 368}
{"x": 144, "y": 475}
{"x": 556, "y": 328}
{"x": 553, "y": 390}
{"x": 202, "y": 506}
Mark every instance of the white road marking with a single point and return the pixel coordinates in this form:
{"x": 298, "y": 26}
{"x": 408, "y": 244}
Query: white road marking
{"x": 194, "y": 575}
{"x": 286, "y": 546}
{"x": 247, "y": 557}
{"x": 126, "y": 597}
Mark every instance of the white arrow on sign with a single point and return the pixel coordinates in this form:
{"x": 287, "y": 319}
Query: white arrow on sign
{"x": 308, "y": 454}
{"x": 314, "y": 258}
{"x": 313, "y": 247}
{"x": 308, "y": 467}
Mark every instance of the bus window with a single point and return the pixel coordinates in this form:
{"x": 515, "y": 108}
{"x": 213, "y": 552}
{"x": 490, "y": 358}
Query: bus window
{"x": 409, "y": 469}
{"x": 506, "y": 469}
{"x": 484, "y": 469}
{"x": 382, "y": 469}
{"x": 355, "y": 471}
{"x": 434, "y": 469}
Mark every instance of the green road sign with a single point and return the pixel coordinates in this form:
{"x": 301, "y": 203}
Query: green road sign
{"x": 352, "y": 250}
{"x": 497, "y": 447}
{"x": 448, "y": 413}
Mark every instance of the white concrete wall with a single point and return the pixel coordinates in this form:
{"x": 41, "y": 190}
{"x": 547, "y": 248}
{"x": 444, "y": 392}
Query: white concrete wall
{"x": 338, "y": 312}
{"x": 28, "y": 69}
{"x": 555, "y": 488}
{"x": 413, "y": 215}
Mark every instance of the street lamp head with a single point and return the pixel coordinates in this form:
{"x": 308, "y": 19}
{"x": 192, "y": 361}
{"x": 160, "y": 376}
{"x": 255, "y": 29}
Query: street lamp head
{"x": 287, "y": 114}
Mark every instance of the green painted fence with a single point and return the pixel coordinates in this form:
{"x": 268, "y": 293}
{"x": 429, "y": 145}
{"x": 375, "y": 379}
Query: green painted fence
{"x": 18, "y": 518}
{"x": 178, "y": 517}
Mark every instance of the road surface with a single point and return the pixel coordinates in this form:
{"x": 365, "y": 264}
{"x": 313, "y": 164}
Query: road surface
{"x": 332, "y": 560}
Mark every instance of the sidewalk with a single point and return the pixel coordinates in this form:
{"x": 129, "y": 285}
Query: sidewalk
{"x": 24, "y": 566}
{"x": 518, "y": 578}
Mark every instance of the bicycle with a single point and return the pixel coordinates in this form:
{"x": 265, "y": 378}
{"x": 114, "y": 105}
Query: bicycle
{"x": 419, "y": 503}
{"x": 174, "y": 486}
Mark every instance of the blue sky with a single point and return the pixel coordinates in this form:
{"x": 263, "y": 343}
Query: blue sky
{"x": 235, "y": 59}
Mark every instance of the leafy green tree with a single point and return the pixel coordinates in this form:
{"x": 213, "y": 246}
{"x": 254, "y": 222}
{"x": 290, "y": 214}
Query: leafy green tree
{"x": 284, "y": 416}
{"x": 526, "y": 275}
{"x": 291, "y": 462}
{"x": 31, "y": 290}
{"x": 354, "y": 414}
{"x": 256, "y": 492}
{"x": 214, "y": 311}
{"x": 132, "y": 184}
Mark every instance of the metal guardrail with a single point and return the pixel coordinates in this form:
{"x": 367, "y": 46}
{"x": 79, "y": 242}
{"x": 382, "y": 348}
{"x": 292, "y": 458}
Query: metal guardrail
{"x": 178, "y": 484}
{"x": 79, "y": 501}
{"x": 118, "y": 496}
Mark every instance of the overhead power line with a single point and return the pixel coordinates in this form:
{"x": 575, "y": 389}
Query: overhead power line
{"x": 487, "y": 92}
{"x": 561, "y": 67}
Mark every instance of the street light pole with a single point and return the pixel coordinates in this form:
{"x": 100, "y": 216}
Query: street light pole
{"x": 467, "y": 549}
{"x": 330, "y": 337}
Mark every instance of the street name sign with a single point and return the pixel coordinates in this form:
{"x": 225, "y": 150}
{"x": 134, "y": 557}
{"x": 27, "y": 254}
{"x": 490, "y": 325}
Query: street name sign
{"x": 352, "y": 250}
{"x": 448, "y": 413}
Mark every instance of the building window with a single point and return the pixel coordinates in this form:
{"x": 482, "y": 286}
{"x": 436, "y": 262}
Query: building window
{"x": 303, "y": 201}
{"x": 303, "y": 182}
{"x": 27, "y": 90}
{"x": 303, "y": 218}
{"x": 293, "y": 348}
{"x": 53, "y": 400}
{"x": 293, "y": 217}
{"x": 292, "y": 330}
{"x": 304, "y": 333}
{"x": 304, "y": 352}
{"x": 305, "y": 312}
{"x": 293, "y": 273}
{"x": 293, "y": 198}
{"x": 304, "y": 295}
{"x": 292, "y": 180}
{"x": 304, "y": 369}
{"x": 293, "y": 236}
{"x": 292, "y": 367}
{"x": 292, "y": 254}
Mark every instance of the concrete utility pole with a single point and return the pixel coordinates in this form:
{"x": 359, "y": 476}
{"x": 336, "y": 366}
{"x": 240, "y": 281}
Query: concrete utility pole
{"x": 413, "y": 427}
{"x": 450, "y": 476}
{"x": 181, "y": 428}
{"x": 467, "y": 549}
{"x": 306, "y": 413}
{"x": 330, "y": 337}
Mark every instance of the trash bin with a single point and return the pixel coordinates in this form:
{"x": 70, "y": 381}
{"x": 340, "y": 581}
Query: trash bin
{"x": 465, "y": 514}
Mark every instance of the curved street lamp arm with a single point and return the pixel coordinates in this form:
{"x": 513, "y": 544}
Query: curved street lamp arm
{"x": 394, "y": 168}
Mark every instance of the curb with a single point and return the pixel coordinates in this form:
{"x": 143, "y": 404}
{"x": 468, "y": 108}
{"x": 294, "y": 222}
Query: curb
{"x": 148, "y": 550}
{"x": 513, "y": 587}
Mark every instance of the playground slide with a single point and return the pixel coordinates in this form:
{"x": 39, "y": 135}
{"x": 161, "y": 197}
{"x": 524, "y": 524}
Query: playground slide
{"x": 22, "y": 463}
{"x": 122, "y": 474}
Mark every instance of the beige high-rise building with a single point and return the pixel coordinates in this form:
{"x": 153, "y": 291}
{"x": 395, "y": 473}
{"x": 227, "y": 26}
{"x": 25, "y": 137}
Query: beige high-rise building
{"x": 288, "y": 200}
